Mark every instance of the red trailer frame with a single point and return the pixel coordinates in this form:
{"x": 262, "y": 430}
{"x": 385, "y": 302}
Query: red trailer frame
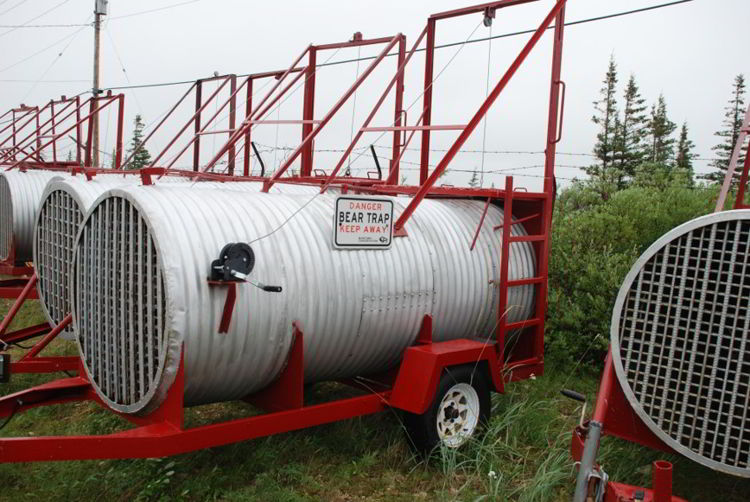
{"x": 412, "y": 386}
{"x": 613, "y": 416}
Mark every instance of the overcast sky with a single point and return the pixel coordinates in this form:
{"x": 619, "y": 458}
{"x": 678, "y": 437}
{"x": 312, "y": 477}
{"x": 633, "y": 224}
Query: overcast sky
{"x": 689, "y": 52}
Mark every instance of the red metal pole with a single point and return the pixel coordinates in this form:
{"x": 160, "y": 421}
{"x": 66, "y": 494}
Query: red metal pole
{"x": 393, "y": 177}
{"x": 18, "y": 303}
{"x": 453, "y": 150}
{"x": 197, "y": 123}
{"x": 78, "y": 129}
{"x": 550, "y": 188}
{"x": 308, "y": 112}
{"x": 248, "y": 111}
{"x": 38, "y": 140}
{"x": 13, "y": 136}
{"x": 740, "y": 202}
{"x": 232, "y": 122}
{"x": 499, "y": 4}
{"x": 427, "y": 102}
{"x": 90, "y": 131}
{"x": 54, "y": 145}
{"x": 120, "y": 126}
{"x": 661, "y": 475}
{"x": 554, "y": 99}
{"x": 399, "y": 105}
{"x": 502, "y": 305}
{"x": 331, "y": 113}
{"x": 41, "y": 344}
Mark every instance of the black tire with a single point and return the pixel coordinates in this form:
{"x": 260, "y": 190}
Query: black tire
{"x": 422, "y": 430}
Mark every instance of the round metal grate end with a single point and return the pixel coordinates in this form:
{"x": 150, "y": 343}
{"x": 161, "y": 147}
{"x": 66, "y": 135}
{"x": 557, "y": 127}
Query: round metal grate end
{"x": 54, "y": 242}
{"x": 6, "y": 219}
{"x": 680, "y": 345}
{"x": 119, "y": 305}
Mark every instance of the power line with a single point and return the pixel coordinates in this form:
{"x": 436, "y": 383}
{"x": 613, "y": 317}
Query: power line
{"x": 153, "y": 10}
{"x": 16, "y": 26}
{"x": 35, "y": 18}
{"x": 45, "y": 49}
{"x": 40, "y": 81}
{"x": 54, "y": 61}
{"x": 443, "y": 46}
{"x": 8, "y": 10}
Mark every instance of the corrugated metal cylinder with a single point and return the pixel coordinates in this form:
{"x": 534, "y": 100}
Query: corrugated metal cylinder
{"x": 65, "y": 201}
{"x": 20, "y": 198}
{"x": 140, "y": 290}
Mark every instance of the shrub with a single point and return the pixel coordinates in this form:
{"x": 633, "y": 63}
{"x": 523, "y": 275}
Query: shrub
{"x": 594, "y": 243}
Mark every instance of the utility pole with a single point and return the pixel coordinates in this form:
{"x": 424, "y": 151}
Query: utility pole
{"x": 100, "y": 9}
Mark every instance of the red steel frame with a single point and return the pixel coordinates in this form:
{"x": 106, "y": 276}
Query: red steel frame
{"x": 16, "y": 124}
{"x": 27, "y": 153}
{"x": 616, "y": 418}
{"x": 46, "y": 129}
{"x": 412, "y": 385}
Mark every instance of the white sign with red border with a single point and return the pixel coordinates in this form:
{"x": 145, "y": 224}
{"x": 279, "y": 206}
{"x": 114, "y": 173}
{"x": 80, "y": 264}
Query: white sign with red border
{"x": 362, "y": 223}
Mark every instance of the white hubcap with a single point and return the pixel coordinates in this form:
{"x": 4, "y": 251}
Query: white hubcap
{"x": 458, "y": 415}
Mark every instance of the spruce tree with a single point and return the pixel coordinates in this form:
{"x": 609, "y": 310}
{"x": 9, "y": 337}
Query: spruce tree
{"x": 632, "y": 130}
{"x": 733, "y": 117}
{"x": 474, "y": 181}
{"x": 141, "y": 158}
{"x": 684, "y": 156}
{"x": 606, "y": 118}
{"x": 660, "y": 148}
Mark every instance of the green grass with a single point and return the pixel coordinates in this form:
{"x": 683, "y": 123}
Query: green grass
{"x": 524, "y": 456}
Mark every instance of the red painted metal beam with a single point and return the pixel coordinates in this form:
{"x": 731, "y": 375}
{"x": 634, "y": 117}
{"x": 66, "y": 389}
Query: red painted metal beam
{"x": 95, "y": 108}
{"x": 396, "y": 80}
{"x": 22, "y": 297}
{"x": 21, "y": 335}
{"x": 479, "y": 8}
{"x": 39, "y": 346}
{"x": 453, "y": 150}
{"x": 308, "y": 139}
{"x": 308, "y": 112}
{"x": 12, "y": 288}
{"x": 51, "y": 364}
{"x": 164, "y": 439}
{"x": 456, "y": 127}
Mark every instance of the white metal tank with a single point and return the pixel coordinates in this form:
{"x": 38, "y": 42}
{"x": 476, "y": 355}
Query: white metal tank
{"x": 20, "y": 198}
{"x": 139, "y": 289}
{"x": 65, "y": 201}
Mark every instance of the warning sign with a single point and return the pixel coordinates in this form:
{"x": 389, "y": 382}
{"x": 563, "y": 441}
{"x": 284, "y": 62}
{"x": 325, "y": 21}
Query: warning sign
{"x": 362, "y": 223}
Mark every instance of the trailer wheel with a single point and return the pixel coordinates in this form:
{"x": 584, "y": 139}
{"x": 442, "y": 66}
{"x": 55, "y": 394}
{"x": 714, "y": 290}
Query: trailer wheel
{"x": 460, "y": 408}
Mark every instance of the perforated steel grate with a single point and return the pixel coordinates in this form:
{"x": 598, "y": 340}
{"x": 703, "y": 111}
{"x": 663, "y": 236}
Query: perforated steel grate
{"x": 119, "y": 304}
{"x": 6, "y": 219}
{"x": 54, "y": 235}
{"x": 680, "y": 341}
